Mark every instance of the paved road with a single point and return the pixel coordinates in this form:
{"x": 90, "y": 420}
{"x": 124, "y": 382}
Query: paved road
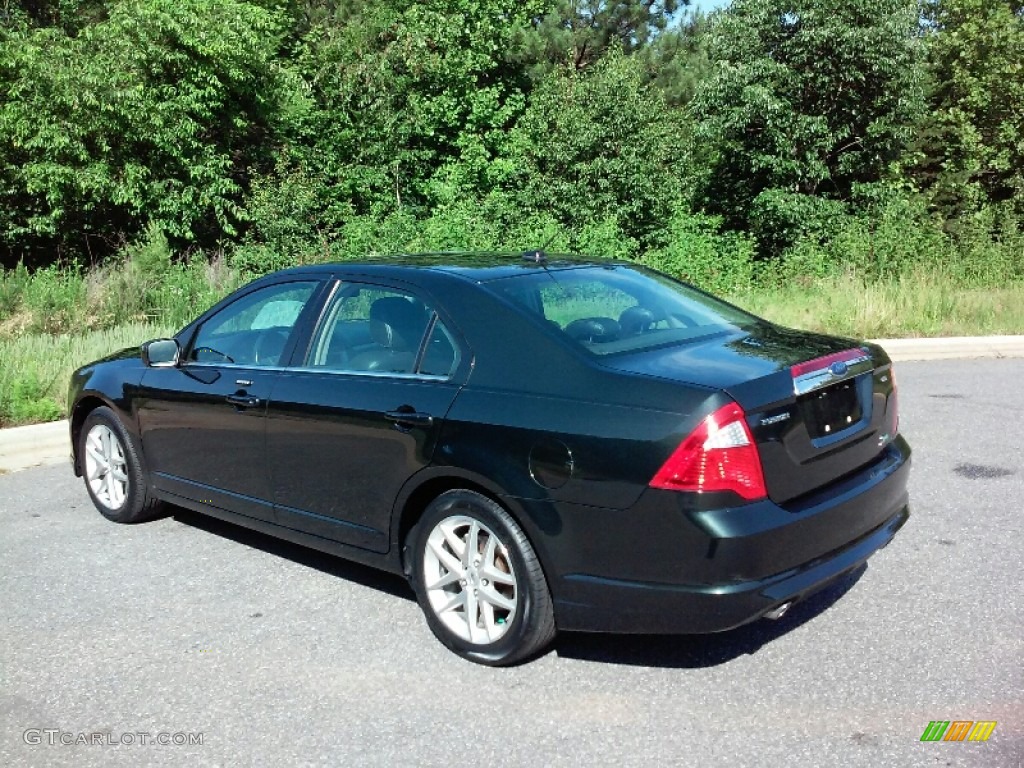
{"x": 280, "y": 657}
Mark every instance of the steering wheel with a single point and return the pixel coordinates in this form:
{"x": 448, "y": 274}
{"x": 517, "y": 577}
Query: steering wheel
{"x": 197, "y": 350}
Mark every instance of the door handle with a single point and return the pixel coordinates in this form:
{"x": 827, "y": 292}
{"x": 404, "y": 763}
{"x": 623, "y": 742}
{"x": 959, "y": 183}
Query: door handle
{"x": 243, "y": 401}
{"x": 409, "y": 418}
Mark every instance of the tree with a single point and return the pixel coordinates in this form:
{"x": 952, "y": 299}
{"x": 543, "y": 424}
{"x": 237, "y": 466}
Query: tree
{"x": 408, "y": 103}
{"x": 577, "y": 33}
{"x": 597, "y": 145}
{"x": 69, "y": 15}
{"x": 155, "y": 113}
{"x": 810, "y": 97}
{"x": 677, "y": 60}
{"x": 971, "y": 141}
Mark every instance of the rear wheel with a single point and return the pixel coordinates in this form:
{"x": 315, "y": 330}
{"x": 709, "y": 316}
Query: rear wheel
{"x": 479, "y": 581}
{"x": 112, "y": 469}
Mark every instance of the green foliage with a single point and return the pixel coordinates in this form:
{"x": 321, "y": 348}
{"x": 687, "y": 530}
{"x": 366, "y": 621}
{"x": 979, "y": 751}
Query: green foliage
{"x": 12, "y": 289}
{"x": 145, "y": 115}
{"x": 179, "y": 145}
{"x": 69, "y": 15}
{"x": 55, "y": 298}
{"x": 605, "y": 238}
{"x": 289, "y": 222}
{"x": 920, "y": 303}
{"x": 699, "y": 251}
{"x": 28, "y": 401}
{"x": 970, "y": 149}
{"x": 597, "y": 145}
{"x": 678, "y": 59}
{"x": 409, "y": 101}
{"x": 896, "y": 236}
{"x": 779, "y": 218}
{"x": 809, "y": 96}
{"x": 569, "y": 33}
{"x": 145, "y": 284}
{"x": 37, "y": 367}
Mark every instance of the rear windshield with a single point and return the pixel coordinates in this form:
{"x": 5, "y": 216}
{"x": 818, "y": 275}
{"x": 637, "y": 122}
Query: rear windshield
{"x": 607, "y": 310}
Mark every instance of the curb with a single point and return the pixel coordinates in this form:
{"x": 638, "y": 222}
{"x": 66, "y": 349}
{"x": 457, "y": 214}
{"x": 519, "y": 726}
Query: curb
{"x": 39, "y": 444}
{"x": 34, "y": 445}
{"x": 953, "y": 348}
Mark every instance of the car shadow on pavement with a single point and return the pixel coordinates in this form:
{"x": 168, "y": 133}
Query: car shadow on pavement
{"x": 694, "y": 651}
{"x": 311, "y": 558}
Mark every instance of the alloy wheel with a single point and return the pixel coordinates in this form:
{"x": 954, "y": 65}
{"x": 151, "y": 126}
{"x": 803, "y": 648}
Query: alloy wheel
{"x": 106, "y": 469}
{"x": 469, "y": 580}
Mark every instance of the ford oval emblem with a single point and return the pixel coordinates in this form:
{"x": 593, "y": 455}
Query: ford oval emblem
{"x": 838, "y": 368}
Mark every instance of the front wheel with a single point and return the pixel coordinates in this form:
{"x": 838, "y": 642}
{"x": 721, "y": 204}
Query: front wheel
{"x": 112, "y": 469}
{"x": 479, "y": 581}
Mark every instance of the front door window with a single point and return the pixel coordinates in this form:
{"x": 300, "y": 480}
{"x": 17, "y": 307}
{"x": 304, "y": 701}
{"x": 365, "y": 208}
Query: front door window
{"x": 253, "y": 331}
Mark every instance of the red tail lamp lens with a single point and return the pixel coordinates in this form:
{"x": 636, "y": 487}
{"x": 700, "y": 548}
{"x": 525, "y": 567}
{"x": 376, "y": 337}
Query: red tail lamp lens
{"x": 719, "y": 455}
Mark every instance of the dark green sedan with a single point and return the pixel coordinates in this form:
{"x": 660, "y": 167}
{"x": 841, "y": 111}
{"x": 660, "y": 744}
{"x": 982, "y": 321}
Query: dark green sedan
{"x": 536, "y": 443}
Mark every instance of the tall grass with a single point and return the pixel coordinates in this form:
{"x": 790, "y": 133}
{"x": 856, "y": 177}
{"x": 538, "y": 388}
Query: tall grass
{"x": 35, "y": 368}
{"x": 144, "y": 285}
{"x": 921, "y": 303}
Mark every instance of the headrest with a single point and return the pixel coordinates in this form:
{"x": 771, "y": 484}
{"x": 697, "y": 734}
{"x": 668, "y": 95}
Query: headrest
{"x": 636, "y": 320}
{"x": 397, "y": 323}
{"x": 593, "y": 329}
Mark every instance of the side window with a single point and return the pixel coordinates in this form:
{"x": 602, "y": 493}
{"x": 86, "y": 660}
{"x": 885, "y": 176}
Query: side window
{"x": 441, "y": 357}
{"x": 370, "y": 329}
{"x": 255, "y": 329}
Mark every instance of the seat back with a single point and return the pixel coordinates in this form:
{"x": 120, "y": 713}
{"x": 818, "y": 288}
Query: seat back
{"x": 396, "y": 327}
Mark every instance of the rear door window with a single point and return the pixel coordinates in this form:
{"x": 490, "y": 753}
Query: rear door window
{"x": 377, "y": 329}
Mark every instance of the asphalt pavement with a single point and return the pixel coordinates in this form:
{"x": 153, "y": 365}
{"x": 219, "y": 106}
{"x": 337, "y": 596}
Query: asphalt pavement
{"x": 188, "y": 630}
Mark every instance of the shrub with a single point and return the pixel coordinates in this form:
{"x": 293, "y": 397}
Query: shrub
{"x": 605, "y": 238}
{"x": 699, "y": 251}
{"x": 55, "y": 298}
{"x": 12, "y": 289}
{"x": 29, "y": 401}
{"x": 780, "y": 218}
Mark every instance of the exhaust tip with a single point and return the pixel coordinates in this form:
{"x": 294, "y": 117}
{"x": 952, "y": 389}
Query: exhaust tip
{"x": 779, "y": 612}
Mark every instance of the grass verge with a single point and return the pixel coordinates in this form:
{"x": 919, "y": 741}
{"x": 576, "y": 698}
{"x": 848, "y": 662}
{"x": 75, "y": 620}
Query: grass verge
{"x": 35, "y": 368}
{"x": 919, "y": 305}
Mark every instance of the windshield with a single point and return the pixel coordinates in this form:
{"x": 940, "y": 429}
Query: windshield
{"x": 614, "y": 309}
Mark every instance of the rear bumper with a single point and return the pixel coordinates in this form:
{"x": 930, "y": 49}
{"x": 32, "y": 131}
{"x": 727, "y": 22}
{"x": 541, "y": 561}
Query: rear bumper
{"x": 637, "y": 607}
{"x": 734, "y": 565}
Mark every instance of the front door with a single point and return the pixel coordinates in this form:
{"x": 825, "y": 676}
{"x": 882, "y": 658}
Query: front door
{"x": 350, "y": 426}
{"x": 203, "y": 422}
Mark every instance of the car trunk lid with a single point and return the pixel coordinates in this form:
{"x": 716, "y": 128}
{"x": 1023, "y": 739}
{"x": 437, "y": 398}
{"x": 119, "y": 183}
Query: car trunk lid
{"x": 818, "y": 407}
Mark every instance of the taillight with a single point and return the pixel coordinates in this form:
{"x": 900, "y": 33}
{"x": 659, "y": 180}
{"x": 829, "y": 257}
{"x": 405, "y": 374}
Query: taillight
{"x": 719, "y": 455}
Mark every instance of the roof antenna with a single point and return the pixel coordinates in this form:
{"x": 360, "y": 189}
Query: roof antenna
{"x": 539, "y": 255}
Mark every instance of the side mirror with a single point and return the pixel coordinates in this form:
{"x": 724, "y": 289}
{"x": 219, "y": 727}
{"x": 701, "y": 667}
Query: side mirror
{"x": 161, "y": 353}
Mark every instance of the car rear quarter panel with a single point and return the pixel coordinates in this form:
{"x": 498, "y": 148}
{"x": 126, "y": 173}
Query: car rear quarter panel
{"x": 528, "y": 386}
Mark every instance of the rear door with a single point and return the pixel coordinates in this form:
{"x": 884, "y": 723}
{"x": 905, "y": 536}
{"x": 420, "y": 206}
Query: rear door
{"x": 362, "y": 413}
{"x": 203, "y": 422}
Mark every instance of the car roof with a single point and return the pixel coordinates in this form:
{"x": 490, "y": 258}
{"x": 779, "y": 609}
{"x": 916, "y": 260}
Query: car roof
{"x": 478, "y": 266}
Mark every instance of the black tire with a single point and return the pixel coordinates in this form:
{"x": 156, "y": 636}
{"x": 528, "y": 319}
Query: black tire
{"x": 135, "y": 504}
{"x": 532, "y": 624}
